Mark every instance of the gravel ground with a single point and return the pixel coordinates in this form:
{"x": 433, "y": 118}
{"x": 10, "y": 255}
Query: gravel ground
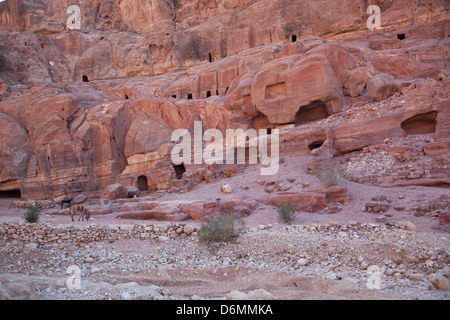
{"x": 363, "y": 261}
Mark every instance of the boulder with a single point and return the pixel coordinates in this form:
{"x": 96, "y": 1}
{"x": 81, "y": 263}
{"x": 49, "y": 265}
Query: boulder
{"x": 164, "y": 211}
{"x": 229, "y": 171}
{"x": 147, "y": 205}
{"x": 306, "y": 201}
{"x": 81, "y": 198}
{"x": 311, "y": 201}
{"x": 129, "y": 207}
{"x": 115, "y": 191}
{"x": 201, "y": 210}
{"x": 99, "y": 210}
{"x": 382, "y": 86}
{"x": 444, "y": 218}
{"x": 334, "y": 194}
{"x": 407, "y": 225}
{"x": 259, "y": 294}
{"x": 17, "y": 291}
{"x": 133, "y": 191}
{"x": 226, "y": 188}
{"x": 439, "y": 281}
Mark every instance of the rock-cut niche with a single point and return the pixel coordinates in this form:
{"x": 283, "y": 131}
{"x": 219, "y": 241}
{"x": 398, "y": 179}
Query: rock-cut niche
{"x": 142, "y": 183}
{"x": 316, "y": 110}
{"x": 15, "y": 194}
{"x": 422, "y": 123}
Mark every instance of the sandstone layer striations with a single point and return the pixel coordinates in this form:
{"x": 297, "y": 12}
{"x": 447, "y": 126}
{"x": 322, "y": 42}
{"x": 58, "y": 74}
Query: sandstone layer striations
{"x": 83, "y": 109}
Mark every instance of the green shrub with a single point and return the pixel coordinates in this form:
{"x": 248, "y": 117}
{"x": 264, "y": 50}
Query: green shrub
{"x": 222, "y": 228}
{"x": 328, "y": 173}
{"x": 287, "y": 213}
{"x": 32, "y": 213}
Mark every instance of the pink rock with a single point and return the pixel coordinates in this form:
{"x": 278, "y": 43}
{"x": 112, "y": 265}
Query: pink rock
{"x": 79, "y": 198}
{"x": 115, "y": 191}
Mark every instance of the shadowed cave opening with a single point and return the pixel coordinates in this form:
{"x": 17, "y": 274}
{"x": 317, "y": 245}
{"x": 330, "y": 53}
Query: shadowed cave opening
{"x": 315, "y": 145}
{"x": 85, "y": 78}
{"x": 179, "y": 170}
{"x": 316, "y": 110}
{"x": 142, "y": 183}
{"x": 14, "y": 194}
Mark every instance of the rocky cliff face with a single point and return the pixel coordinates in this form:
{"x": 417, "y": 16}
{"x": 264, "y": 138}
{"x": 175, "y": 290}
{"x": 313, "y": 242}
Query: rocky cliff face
{"x": 81, "y": 109}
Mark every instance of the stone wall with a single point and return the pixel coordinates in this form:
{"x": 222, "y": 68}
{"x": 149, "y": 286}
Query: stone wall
{"x": 42, "y": 233}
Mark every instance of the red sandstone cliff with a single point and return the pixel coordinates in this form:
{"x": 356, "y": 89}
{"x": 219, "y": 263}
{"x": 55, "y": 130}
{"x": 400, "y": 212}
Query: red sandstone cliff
{"x": 81, "y": 109}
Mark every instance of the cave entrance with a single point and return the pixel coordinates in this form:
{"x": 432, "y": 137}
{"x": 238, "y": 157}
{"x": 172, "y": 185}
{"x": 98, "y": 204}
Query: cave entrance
{"x": 401, "y": 36}
{"x": 315, "y": 145}
{"x": 85, "y": 78}
{"x": 294, "y": 38}
{"x": 179, "y": 170}
{"x": 422, "y": 123}
{"x": 316, "y": 110}
{"x": 13, "y": 194}
{"x": 142, "y": 183}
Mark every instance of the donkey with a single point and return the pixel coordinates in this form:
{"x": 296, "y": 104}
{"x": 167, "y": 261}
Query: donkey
{"x": 84, "y": 212}
{"x": 66, "y": 202}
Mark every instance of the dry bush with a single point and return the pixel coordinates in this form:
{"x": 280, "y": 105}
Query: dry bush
{"x": 328, "y": 173}
{"x": 222, "y": 228}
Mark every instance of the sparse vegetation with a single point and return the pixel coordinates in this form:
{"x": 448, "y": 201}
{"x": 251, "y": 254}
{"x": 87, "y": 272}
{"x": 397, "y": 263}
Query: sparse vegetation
{"x": 223, "y": 228}
{"x": 286, "y": 212}
{"x": 328, "y": 173}
{"x": 32, "y": 213}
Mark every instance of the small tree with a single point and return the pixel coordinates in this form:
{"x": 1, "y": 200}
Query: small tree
{"x": 32, "y": 213}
